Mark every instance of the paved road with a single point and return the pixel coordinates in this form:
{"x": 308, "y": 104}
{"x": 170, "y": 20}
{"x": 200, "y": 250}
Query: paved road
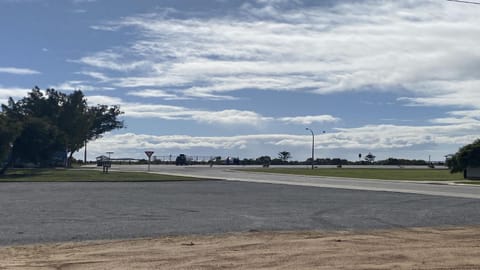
{"x": 228, "y": 173}
{"x": 52, "y": 212}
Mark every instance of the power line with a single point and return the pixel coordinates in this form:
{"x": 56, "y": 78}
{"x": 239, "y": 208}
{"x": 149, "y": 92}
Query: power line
{"x": 465, "y": 2}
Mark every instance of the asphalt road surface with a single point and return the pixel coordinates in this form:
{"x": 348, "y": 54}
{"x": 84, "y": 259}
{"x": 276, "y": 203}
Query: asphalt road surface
{"x": 56, "y": 212}
{"x": 233, "y": 174}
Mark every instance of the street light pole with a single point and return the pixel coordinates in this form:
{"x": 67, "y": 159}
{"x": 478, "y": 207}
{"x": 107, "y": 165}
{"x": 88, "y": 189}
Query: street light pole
{"x": 313, "y": 147}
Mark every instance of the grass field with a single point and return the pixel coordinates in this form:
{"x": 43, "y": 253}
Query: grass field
{"x": 90, "y": 175}
{"x": 371, "y": 173}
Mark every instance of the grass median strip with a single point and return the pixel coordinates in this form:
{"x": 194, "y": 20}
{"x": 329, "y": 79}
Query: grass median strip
{"x": 90, "y": 175}
{"x": 371, "y": 173}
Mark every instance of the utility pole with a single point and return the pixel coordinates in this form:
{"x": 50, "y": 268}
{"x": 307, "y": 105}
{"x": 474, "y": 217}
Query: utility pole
{"x": 313, "y": 147}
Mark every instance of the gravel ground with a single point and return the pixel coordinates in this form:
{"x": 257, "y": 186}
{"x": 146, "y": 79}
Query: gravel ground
{"x": 60, "y": 212}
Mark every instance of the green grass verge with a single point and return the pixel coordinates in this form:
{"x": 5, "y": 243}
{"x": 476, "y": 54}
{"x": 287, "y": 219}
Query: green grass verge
{"x": 473, "y": 182}
{"x": 90, "y": 175}
{"x": 382, "y": 174}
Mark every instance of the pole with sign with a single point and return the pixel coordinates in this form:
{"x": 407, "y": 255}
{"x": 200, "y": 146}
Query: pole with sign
{"x": 149, "y": 155}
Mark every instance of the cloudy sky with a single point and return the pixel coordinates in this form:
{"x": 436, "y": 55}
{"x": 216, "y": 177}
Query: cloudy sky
{"x": 246, "y": 77}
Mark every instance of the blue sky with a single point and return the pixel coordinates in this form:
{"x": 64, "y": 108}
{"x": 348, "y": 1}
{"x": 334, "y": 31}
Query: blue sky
{"x": 245, "y": 78}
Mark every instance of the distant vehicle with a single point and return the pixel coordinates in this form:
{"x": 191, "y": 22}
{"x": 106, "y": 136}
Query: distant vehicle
{"x": 181, "y": 160}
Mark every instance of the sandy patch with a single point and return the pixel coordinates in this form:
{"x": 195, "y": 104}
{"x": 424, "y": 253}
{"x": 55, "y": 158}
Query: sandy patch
{"x": 422, "y": 248}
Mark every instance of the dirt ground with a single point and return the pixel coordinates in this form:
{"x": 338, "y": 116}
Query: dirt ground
{"x": 419, "y": 248}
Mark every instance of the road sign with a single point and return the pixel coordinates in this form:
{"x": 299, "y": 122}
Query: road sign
{"x": 149, "y": 153}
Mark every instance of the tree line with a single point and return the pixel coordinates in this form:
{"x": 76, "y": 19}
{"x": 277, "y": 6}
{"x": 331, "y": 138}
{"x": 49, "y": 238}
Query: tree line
{"x": 284, "y": 158}
{"x": 49, "y": 125}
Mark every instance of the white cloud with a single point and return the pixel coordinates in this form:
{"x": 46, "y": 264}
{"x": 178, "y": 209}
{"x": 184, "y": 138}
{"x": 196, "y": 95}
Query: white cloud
{"x": 105, "y": 27}
{"x": 222, "y": 117}
{"x": 79, "y": 11}
{"x": 106, "y": 100}
{"x": 155, "y": 93}
{"x": 110, "y": 61}
{"x": 469, "y": 113}
{"x": 13, "y": 92}
{"x": 446, "y": 93}
{"x": 83, "y": 1}
{"x": 205, "y": 93}
{"x": 441, "y": 139}
{"x": 169, "y": 112}
{"x": 18, "y": 71}
{"x": 165, "y": 112}
{"x": 459, "y": 117}
{"x": 78, "y": 85}
{"x": 230, "y": 117}
{"x": 384, "y": 45}
{"x": 425, "y": 51}
{"x": 96, "y": 75}
{"x": 133, "y": 144}
{"x": 309, "y": 119}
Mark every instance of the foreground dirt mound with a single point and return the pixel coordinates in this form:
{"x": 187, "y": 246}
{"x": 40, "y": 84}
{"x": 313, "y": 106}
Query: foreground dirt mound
{"x": 421, "y": 248}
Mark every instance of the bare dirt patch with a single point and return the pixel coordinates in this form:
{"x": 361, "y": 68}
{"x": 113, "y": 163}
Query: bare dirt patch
{"x": 419, "y": 248}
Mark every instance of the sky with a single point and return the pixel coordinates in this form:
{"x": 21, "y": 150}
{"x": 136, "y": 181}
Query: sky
{"x": 245, "y": 78}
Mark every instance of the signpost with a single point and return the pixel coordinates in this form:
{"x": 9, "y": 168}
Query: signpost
{"x": 149, "y": 155}
{"x": 107, "y": 163}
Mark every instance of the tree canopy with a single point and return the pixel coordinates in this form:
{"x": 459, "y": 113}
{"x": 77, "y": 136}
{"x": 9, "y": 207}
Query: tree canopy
{"x": 43, "y": 123}
{"x": 284, "y": 156}
{"x": 9, "y": 130}
{"x": 467, "y": 156}
{"x": 370, "y": 158}
{"x": 264, "y": 160}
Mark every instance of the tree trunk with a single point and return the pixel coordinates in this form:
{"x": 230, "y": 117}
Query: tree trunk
{"x": 69, "y": 160}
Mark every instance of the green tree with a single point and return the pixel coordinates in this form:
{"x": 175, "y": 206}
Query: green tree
{"x": 284, "y": 156}
{"x": 8, "y": 133}
{"x": 80, "y": 123}
{"x": 102, "y": 119}
{"x": 467, "y": 156}
{"x": 37, "y": 142}
{"x": 264, "y": 160}
{"x": 370, "y": 158}
{"x": 67, "y": 122}
{"x": 73, "y": 120}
